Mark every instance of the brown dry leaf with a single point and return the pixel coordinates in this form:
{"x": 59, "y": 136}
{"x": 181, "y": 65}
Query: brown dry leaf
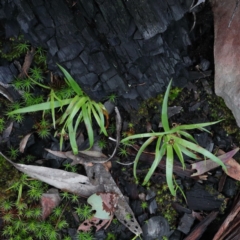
{"x": 205, "y": 166}
{"x": 197, "y": 215}
{"x": 27, "y": 63}
{"x": 98, "y": 175}
{"x": 93, "y": 222}
{"x": 49, "y": 201}
{"x": 104, "y": 205}
{"x": 109, "y": 201}
{"x": 23, "y": 142}
{"x": 233, "y": 167}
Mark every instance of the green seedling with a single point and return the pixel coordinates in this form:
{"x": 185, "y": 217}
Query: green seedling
{"x": 123, "y": 152}
{"x": 112, "y": 98}
{"x": 80, "y": 108}
{"x": 102, "y": 143}
{"x": 172, "y": 141}
{"x": 84, "y": 212}
{"x": 144, "y": 205}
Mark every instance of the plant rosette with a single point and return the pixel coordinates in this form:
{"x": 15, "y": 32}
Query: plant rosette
{"x": 172, "y": 141}
{"x": 79, "y": 107}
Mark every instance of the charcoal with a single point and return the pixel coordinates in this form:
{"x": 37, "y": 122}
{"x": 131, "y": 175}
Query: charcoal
{"x": 153, "y": 206}
{"x": 130, "y": 94}
{"x": 52, "y": 46}
{"x": 176, "y": 235}
{"x": 139, "y": 40}
{"x": 186, "y": 223}
{"x": 11, "y": 28}
{"x": 44, "y": 17}
{"x": 78, "y": 68}
{"x": 142, "y": 218}
{"x": 155, "y": 228}
{"x": 151, "y": 194}
{"x": 89, "y": 79}
{"x": 204, "y": 65}
{"x": 43, "y": 33}
{"x": 89, "y": 7}
{"x": 230, "y": 188}
{"x": 100, "y": 235}
{"x": 145, "y": 18}
{"x": 203, "y": 140}
{"x": 98, "y": 63}
{"x": 200, "y": 199}
{"x": 109, "y": 106}
{"x": 7, "y": 73}
{"x": 70, "y": 52}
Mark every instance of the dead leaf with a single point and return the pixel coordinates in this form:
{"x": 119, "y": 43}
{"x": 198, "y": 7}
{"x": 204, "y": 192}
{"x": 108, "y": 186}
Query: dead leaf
{"x": 49, "y": 201}
{"x": 93, "y": 222}
{"x": 6, "y": 93}
{"x": 7, "y": 131}
{"x": 61, "y": 179}
{"x": 198, "y": 3}
{"x": 197, "y": 215}
{"x": 23, "y": 142}
{"x": 27, "y": 63}
{"x": 207, "y": 165}
{"x": 99, "y": 175}
{"x": 104, "y": 205}
{"x": 233, "y": 167}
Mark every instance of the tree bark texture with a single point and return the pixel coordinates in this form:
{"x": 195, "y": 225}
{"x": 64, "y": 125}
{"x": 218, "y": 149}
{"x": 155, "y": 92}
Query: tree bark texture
{"x": 128, "y": 47}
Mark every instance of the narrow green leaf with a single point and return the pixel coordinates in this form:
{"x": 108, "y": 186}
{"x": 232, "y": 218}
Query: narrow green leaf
{"x": 164, "y": 117}
{"x": 69, "y": 109}
{"x": 99, "y": 108}
{"x": 204, "y": 129}
{"x": 159, "y": 153}
{"x": 76, "y": 108}
{"x": 195, "y": 126}
{"x": 97, "y": 118}
{"x": 200, "y": 150}
{"x": 71, "y": 81}
{"x": 72, "y": 138}
{"x": 169, "y": 169}
{"x": 52, "y": 108}
{"x": 187, "y": 135}
{"x": 145, "y": 135}
{"x": 178, "y": 151}
{"x": 88, "y": 125}
{"x": 61, "y": 138}
{"x": 79, "y": 119}
{"x": 19, "y": 192}
{"x": 57, "y": 98}
{"x": 142, "y": 148}
{"x": 179, "y": 188}
{"x": 188, "y": 153}
{"x": 41, "y": 107}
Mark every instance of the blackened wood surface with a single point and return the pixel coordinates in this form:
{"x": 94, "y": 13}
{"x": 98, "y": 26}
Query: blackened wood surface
{"x": 129, "y": 47}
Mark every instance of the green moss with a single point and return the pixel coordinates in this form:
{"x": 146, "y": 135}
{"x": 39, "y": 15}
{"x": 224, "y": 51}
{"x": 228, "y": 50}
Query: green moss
{"x": 153, "y": 105}
{"x": 9, "y": 175}
{"x": 164, "y": 200}
{"x": 219, "y": 110}
{"x": 217, "y": 196}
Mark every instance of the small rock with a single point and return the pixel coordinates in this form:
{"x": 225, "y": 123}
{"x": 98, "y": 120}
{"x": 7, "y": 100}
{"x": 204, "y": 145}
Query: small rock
{"x": 186, "y": 223}
{"x": 156, "y": 228}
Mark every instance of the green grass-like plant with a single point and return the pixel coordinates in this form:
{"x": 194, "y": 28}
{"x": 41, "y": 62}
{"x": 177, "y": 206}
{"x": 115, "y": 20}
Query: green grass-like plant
{"x": 172, "y": 141}
{"x": 79, "y": 108}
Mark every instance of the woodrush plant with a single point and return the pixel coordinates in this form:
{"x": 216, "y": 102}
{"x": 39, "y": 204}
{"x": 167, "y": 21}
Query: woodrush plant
{"x": 79, "y": 107}
{"x": 172, "y": 141}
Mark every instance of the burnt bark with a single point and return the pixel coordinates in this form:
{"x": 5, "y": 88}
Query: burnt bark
{"x": 131, "y": 48}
